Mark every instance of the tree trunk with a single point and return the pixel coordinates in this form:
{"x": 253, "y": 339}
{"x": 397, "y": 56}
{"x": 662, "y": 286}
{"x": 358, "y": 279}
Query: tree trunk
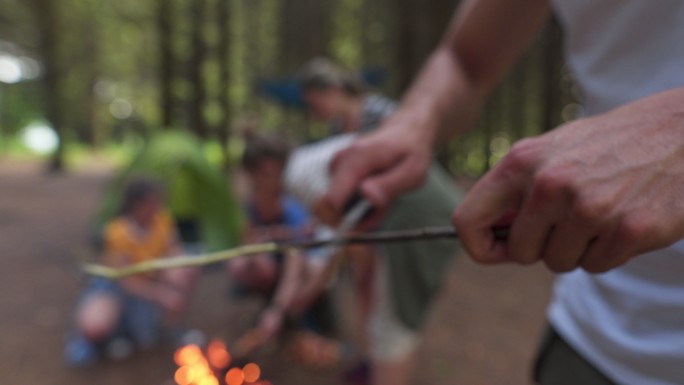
{"x": 305, "y": 30}
{"x": 93, "y": 124}
{"x": 223, "y": 53}
{"x": 48, "y": 28}
{"x": 166, "y": 61}
{"x": 421, "y": 25}
{"x": 196, "y": 108}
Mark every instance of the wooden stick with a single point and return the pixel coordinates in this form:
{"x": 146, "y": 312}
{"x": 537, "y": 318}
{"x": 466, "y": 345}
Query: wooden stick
{"x": 425, "y": 234}
{"x": 181, "y": 261}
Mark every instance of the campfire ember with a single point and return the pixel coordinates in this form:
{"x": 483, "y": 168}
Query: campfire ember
{"x": 212, "y": 367}
{"x": 218, "y": 354}
{"x": 235, "y": 376}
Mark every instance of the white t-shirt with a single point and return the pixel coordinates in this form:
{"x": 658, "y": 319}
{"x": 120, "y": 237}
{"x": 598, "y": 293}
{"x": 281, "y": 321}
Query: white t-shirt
{"x": 629, "y": 322}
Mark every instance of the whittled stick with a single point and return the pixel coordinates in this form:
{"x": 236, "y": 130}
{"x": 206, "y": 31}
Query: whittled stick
{"x": 424, "y": 234}
{"x": 109, "y": 272}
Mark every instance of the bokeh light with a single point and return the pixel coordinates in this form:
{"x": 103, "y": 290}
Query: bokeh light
{"x": 30, "y": 68}
{"x": 188, "y": 355}
{"x": 208, "y": 381}
{"x": 10, "y": 69}
{"x": 218, "y": 354}
{"x": 251, "y": 372}
{"x": 235, "y": 376}
{"x": 184, "y": 375}
{"x": 40, "y": 138}
{"x": 198, "y": 366}
{"x": 121, "y": 108}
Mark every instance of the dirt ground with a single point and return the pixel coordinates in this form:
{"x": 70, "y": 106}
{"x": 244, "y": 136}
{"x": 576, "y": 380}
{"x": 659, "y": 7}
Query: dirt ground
{"x": 483, "y": 330}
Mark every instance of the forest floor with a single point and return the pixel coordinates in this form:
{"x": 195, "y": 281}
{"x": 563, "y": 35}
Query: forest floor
{"x": 483, "y": 331}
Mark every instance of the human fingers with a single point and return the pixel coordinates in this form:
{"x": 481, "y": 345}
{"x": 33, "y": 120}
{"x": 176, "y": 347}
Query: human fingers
{"x": 409, "y": 172}
{"x": 545, "y": 204}
{"x": 495, "y": 196}
{"x": 566, "y": 245}
{"x": 482, "y": 209}
{"x": 325, "y": 212}
{"x": 614, "y": 246}
{"x": 379, "y": 167}
{"x": 349, "y": 168}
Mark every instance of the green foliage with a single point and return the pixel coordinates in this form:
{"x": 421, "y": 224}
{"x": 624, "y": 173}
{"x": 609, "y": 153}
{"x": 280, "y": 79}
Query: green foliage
{"x": 109, "y": 54}
{"x": 347, "y": 40}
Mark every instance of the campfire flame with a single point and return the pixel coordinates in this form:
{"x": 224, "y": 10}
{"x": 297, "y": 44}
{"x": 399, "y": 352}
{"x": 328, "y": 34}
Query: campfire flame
{"x": 199, "y": 367}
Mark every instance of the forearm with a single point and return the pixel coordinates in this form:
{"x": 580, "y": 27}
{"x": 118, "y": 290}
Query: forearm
{"x": 484, "y": 41}
{"x": 442, "y": 91}
{"x": 290, "y": 281}
{"x": 317, "y": 279}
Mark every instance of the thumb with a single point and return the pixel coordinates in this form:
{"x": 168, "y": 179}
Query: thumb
{"x": 382, "y": 189}
{"x": 486, "y": 205}
{"x": 347, "y": 173}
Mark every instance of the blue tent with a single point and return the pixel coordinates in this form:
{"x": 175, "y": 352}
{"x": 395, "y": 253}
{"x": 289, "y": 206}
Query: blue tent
{"x": 287, "y": 91}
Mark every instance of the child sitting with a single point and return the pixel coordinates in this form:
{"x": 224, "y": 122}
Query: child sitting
{"x": 271, "y": 214}
{"x": 293, "y": 282}
{"x": 113, "y": 316}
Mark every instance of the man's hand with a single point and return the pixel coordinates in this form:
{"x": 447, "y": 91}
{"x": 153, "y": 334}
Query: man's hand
{"x": 592, "y": 194}
{"x": 379, "y": 166}
{"x": 484, "y": 40}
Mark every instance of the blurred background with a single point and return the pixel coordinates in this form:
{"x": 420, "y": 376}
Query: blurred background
{"x": 98, "y": 75}
{"x": 84, "y": 84}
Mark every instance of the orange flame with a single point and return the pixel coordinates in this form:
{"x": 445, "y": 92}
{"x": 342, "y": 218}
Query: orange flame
{"x": 208, "y": 381}
{"x": 188, "y": 355}
{"x": 218, "y": 354}
{"x": 194, "y": 368}
{"x": 235, "y": 376}
{"x": 184, "y": 375}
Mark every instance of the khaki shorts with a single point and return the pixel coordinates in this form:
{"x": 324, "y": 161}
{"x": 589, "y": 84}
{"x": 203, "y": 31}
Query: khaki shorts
{"x": 559, "y": 364}
{"x": 390, "y": 340}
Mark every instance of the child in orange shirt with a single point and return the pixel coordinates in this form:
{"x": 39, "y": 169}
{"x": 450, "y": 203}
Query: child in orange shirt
{"x": 113, "y": 316}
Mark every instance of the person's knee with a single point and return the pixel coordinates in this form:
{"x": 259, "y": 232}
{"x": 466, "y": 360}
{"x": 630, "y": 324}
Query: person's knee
{"x": 255, "y": 272}
{"x": 268, "y": 272}
{"x": 237, "y": 269}
{"x": 98, "y": 316}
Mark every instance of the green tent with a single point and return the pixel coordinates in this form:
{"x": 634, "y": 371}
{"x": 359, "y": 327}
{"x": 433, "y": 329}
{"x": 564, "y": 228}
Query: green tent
{"x": 196, "y": 190}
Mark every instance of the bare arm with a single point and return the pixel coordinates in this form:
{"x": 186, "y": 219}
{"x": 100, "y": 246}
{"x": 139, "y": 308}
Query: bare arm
{"x": 592, "y": 194}
{"x": 318, "y": 276}
{"x": 271, "y": 319}
{"x": 290, "y": 282}
{"x": 484, "y": 40}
